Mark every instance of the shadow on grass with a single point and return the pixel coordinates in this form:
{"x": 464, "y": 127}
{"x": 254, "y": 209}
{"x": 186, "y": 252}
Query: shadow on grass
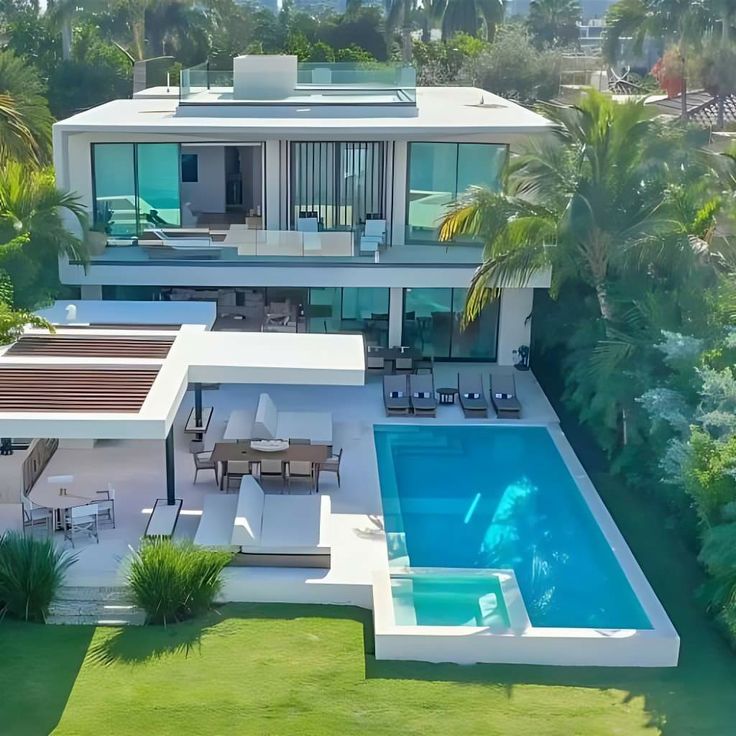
{"x": 132, "y": 645}
{"x": 34, "y": 690}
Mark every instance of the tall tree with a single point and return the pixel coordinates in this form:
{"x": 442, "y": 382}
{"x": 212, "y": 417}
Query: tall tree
{"x": 554, "y": 22}
{"x": 398, "y": 20}
{"x": 674, "y": 22}
{"x": 25, "y": 120}
{"x": 34, "y": 232}
{"x": 473, "y": 17}
{"x": 588, "y": 206}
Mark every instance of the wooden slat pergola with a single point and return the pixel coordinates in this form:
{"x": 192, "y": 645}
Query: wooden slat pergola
{"x": 74, "y": 389}
{"x": 98, "y": 346}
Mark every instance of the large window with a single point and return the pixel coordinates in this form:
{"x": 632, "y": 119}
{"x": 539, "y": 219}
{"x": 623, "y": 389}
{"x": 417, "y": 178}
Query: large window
{"x": 136, "y": 186}
{"x": 340, "y": 183}
{"x": 439, "y": 173}
{"x": 433, "y": 323}
{"x": 351, "y": 310}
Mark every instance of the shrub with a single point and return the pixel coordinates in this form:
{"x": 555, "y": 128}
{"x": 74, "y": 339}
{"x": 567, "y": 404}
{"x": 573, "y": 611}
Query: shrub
{"x": 173, "y": 581}
{"x": 31, "y": 572}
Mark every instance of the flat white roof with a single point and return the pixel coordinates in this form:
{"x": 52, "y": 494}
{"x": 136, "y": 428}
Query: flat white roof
{"x": 111, "y": 312}
{"x": 196, "y": 356}
{"x": 441, "y": 111}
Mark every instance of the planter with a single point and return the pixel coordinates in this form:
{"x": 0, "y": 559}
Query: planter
{"x": 96, "y": 242}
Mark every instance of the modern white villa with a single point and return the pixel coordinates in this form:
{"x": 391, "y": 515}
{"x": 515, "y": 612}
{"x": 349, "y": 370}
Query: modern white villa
{"x": 307, "y": 190}
{"x": 268, "y": 358}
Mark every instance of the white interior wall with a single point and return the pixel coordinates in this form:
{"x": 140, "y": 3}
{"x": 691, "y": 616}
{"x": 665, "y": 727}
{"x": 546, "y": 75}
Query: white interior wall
{"x": 208, "y": 193}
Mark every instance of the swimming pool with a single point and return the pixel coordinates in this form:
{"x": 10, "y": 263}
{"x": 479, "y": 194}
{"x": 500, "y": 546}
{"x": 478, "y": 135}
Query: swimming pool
{"x": 500, "y": 498}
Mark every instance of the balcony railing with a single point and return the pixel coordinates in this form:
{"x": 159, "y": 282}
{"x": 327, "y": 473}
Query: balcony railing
{"x": 357, "y": 82}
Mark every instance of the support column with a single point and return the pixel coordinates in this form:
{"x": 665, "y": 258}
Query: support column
{"x": 272, "y": 184}
{"x": 398, "y": 209}
{"x": 198, "y": 404}
{"x": 170, "y": 477}
{"x": 514, "y": 324}
{"x": 395, "y": 315}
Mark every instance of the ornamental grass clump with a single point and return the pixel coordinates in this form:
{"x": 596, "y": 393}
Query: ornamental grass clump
{"x": 172, "y": 581}
{"x": 31, "y": 573}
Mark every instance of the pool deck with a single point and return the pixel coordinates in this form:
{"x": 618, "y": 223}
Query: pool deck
{"x": 136, "y": 470}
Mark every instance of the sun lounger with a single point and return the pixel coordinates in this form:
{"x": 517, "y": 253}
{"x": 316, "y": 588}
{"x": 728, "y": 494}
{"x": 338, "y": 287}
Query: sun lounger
{"x": 470, "y": 394}
{"x": 503, "y": 396}
{"x": 395, "y": 395}
{"x": 423, "y": 400}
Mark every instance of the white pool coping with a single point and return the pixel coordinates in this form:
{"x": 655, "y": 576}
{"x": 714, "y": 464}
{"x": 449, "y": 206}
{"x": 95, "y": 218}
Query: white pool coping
{"x": 655, "y": 647}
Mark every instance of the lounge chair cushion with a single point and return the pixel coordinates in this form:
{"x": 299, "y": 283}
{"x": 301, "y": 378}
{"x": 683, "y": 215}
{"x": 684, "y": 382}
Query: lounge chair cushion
{"x": 503, "y": 396}
{"x": 266, "y": 422}
{"x": 396, "y": 394}
{"x": 471, "y": 395}
{"x": 294, "y": 524}
{"x": 422, "y": 395}
{"x": 249, "y": 516}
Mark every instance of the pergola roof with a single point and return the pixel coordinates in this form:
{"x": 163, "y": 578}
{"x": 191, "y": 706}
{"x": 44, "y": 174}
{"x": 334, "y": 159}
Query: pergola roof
{"x": 64, "y": 389}
{"x": 128, "y": 384}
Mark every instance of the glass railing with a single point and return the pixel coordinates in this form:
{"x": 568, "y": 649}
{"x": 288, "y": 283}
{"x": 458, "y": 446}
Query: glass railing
{"x": 360, "y": 82}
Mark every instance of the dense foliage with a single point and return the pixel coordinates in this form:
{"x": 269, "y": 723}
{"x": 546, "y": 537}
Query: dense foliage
{"x": 172, "y": 581}
{"x": 31, "y": 573}
{"x": 636, "y": 224}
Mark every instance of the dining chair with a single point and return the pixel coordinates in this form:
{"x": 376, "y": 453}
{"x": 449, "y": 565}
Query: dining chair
{"x": 203, "y": 461}
{"x": 236, "y": 469}
{"x": 107, "y": 504}
{"x": 300, "y": 469}
{"x": 35, "y": 516}
{"x": 82, "y": 520}
{"x": 271, "y": 469}
{"x": 332, "y": 465}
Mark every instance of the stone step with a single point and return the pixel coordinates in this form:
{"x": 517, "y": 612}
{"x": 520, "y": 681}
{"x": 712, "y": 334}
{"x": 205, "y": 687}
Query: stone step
{"x": 137, "y": 619}
{"x": 98, "y": 606}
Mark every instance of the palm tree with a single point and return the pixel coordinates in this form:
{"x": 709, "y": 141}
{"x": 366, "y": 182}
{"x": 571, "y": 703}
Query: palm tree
{"x": 679, "y": 22}
{"x": 473, "y": 17}
{"x": 554, "y": 22}
{"x": 398, "y": 18}
{"x": 25, "y": 119}
{"x": 588, "y": 206}
{"x": 35, "y": 229}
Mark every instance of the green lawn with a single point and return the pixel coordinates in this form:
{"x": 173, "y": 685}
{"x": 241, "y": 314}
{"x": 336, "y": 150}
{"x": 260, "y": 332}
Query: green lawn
{"x": 259, "y": 670}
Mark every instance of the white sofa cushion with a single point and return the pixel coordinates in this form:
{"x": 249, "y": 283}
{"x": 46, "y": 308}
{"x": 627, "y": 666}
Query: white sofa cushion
{"x": 265, "y": 426}
{"x": 294, "y": 525}
{"x": 216, "y": 524}
{"x": 248, "y": 522}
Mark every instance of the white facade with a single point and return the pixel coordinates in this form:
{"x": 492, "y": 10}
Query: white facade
{"x": 341, "y": 153}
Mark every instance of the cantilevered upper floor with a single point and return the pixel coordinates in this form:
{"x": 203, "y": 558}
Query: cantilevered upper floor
{"x": 275, "y": 164}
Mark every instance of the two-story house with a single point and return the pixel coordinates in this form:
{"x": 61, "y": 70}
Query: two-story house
{"x": 301, "y": 197}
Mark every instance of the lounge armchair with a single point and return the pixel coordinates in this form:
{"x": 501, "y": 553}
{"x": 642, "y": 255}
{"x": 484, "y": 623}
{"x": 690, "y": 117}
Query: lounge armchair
{"x": 423, "y": 400}
{"x": 503, "y": 396}
{"x": 395, "y": 395}
{"x": 470, "y": 394}
{"x": 267, "y": 530}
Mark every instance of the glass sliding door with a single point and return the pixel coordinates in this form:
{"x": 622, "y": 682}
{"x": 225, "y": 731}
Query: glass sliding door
{"x": 159, "y": 171}
{"x": 349, "y": 310}
{"x": 432, "y": 322}
{"x": 114, "y": 184}
{"x": 438, "y": 173}
{"x": 339, "y": 183}
{"x": 136, "y": 186}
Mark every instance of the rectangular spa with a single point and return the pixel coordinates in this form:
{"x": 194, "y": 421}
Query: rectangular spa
{"x": 500, "y": 550}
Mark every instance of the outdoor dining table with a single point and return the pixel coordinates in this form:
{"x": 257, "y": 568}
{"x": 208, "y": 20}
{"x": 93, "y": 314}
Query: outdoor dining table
{"x": 48, "y": 497}
{"x": 223, "y": 452}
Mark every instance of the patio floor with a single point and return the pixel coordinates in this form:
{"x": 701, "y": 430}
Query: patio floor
{"x": 136, "y": 470}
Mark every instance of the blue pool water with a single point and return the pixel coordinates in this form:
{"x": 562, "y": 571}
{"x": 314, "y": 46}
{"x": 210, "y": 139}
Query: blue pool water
{"x": 502, "y": 497}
